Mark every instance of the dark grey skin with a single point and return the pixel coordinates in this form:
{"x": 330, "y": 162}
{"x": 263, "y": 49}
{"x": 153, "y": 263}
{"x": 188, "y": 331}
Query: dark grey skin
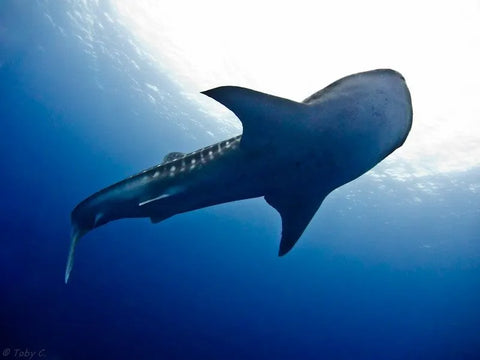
{"x": 294, "y": 154}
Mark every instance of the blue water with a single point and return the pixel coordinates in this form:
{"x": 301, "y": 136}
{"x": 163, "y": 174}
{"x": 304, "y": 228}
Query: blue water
{"x": 387, "y": 269}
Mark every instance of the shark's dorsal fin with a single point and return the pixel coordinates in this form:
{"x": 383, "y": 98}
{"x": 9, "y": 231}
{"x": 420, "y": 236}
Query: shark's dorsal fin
{"x": 263, "y": 116}
{"x": 172, "y": 156}
{"x": 296, "y": 210}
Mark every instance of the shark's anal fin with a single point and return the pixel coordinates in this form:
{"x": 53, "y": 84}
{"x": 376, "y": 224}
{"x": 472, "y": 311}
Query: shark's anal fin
{"x": 296, "y": 210}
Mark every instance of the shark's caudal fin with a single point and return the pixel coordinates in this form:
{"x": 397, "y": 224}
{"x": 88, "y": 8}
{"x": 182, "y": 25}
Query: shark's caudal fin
{"x": 259, "y": 113}
{"x": 74, "y": 238}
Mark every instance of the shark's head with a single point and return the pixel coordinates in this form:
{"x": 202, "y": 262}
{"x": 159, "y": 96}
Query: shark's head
{"x": 371, "y": 116}
{"x": 391, "y": 109}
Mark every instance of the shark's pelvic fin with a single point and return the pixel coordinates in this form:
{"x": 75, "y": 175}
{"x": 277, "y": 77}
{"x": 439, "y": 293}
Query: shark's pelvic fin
{"x": 163, "y": 196}
{"x": 259, "y": 113}
{"x": 172, "y": 156}
{"x": 158, "y": 218}
{"x": 174, "y": 190}
{"x": 296, "y": 210}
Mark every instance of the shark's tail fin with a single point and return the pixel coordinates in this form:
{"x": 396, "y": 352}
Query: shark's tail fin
{"x": 76, "y": 234}
{"x": 84, "y": 218}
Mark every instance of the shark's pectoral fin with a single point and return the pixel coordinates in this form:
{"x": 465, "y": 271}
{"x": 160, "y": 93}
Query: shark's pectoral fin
{"x": 296, "y": 210}
{"x": 259, "y": 113}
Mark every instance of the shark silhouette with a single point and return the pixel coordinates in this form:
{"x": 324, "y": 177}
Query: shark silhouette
{"x": 294, "y": 154}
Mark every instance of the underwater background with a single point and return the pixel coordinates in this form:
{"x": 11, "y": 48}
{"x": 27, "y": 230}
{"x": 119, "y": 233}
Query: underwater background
{"x": 389, "y": 267}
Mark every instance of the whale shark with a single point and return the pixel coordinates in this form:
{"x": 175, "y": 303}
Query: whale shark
{"x": 291, "y": 153}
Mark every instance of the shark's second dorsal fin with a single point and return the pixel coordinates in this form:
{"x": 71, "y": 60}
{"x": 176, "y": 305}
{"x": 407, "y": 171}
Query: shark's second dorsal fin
{"x": 263, "y": 116}
{"x": 172, "y": 156}
{"x": 296, "y": 210}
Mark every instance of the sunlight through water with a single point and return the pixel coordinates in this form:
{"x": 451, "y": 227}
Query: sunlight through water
{"x": 294, "y": 49}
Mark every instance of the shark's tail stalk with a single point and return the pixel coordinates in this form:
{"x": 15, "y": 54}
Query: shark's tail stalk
{"x": 74, "y": 238}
